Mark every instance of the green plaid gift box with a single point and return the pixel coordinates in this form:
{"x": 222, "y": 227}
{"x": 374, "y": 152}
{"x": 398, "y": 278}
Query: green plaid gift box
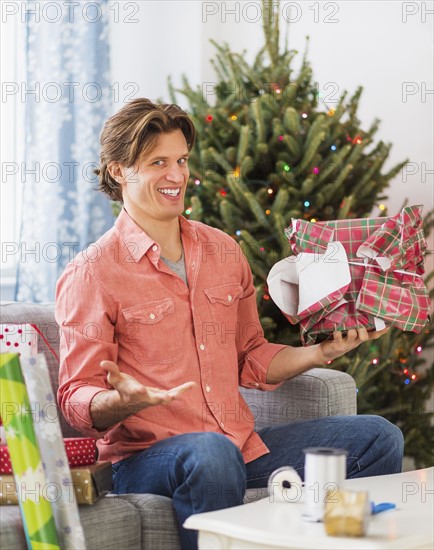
{"x": 385, "y": 258}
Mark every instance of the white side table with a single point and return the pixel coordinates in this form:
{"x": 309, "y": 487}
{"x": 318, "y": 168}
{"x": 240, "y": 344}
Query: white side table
{"x": 265, "y": 525}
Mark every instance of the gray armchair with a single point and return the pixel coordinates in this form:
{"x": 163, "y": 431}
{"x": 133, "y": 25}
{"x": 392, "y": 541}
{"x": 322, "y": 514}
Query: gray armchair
{"x": 145, "y": 521}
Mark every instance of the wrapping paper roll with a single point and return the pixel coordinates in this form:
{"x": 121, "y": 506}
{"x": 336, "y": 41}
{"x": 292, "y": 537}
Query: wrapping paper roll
{"x": 284, "y": 485}
{"x": 324, "y": 471}
{"x": 36, "y": 510}
{"x": 59, "y": 489}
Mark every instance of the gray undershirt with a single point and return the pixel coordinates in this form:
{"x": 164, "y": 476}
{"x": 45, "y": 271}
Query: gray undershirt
{"x": 178, "y": 267}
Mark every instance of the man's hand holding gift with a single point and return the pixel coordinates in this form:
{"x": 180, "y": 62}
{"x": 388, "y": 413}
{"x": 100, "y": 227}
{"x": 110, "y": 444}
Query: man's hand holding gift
{"x": 341, "y": 344}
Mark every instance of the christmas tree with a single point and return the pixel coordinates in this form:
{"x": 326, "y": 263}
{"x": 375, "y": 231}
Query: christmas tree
{"x": 269, "y": 150}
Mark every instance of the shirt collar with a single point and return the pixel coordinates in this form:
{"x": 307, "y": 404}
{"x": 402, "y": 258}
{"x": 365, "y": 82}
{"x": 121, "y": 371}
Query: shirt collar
{"x": 137, "y": 241}
{"x": 188, "y": 228}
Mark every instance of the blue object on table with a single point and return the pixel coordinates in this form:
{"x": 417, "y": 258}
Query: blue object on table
{"x": 382, "y": 507}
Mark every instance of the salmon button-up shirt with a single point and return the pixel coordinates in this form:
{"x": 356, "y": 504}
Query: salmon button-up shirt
{"x": 119, "y": 301}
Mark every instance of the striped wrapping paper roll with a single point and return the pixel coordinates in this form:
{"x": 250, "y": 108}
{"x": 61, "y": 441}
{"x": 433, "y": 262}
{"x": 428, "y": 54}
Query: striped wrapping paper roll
{"x": 16, "y": 414}
{"x": 60, "y": 488}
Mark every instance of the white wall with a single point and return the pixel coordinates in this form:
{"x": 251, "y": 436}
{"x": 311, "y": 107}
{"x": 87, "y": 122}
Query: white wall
{"x": 151, "y": 40}
{"x": 382, "y": 45}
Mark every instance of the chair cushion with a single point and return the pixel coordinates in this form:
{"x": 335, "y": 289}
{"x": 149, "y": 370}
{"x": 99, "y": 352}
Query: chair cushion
{"x": 316, "y": 393}
{"x": 111, "y": 523}
{"x": 159, "y": 523}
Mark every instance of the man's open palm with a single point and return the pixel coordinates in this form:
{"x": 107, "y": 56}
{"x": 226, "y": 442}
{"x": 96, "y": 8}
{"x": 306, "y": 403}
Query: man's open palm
{"x": 132, "y": 392}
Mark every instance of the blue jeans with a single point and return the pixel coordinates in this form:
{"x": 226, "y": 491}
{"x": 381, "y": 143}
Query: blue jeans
{"x": 206, "y": 471}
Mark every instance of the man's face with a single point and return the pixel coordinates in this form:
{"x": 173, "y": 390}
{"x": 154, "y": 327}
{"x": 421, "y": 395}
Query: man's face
{"x": 154, "y": 189}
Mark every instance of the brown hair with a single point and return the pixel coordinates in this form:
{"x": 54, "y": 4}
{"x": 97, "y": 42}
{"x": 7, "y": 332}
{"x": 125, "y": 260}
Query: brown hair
{"x": 134, "y": 131}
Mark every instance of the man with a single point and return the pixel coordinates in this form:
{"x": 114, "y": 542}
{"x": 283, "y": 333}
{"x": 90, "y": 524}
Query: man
{"x": 160, "y": 327}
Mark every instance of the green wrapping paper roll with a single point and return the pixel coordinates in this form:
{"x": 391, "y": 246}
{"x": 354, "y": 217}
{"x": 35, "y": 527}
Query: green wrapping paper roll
{"x": 25, "y": 457}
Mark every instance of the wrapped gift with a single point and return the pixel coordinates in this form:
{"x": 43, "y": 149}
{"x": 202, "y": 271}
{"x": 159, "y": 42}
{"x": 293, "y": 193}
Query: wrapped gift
{"x": 347, "y": 513}
{"x": 92, "y": 482}
{"x": 89, "y": 485}
{"x": 21, "y": 339}
{"x": 5, "y": 461}
{"x": 353, "y": 273}
{"x": 8, "y": 490}
{"x": 80, "y": 451}
{"x": 37, "y": 513}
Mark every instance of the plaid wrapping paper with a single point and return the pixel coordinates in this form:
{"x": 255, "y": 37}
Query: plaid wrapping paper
{"x": 385, "y": 258}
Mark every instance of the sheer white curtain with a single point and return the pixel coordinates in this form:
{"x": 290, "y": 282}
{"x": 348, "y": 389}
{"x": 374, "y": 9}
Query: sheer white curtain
{"x": 67, "y": 100}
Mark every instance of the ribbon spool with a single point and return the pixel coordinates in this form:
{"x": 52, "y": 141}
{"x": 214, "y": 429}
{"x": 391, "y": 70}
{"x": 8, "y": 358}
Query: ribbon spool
{"x": 324, "y": 472}
{"x": 284, "y": 485}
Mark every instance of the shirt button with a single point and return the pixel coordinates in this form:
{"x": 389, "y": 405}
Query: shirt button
{"x": 201, "y": 347}
{"x": 152, "y": 316}
{"x": 208, "y": 389}
{"x": 193, "y": 265}
{"x": 229, "y": 298}
{"x": 256, "y": 384}
{"x": 155, "y": 248}
{"x": 222, "y": 424}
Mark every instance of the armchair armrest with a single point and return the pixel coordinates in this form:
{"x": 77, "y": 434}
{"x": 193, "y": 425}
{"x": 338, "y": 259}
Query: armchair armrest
{"x": 313, "y": 394}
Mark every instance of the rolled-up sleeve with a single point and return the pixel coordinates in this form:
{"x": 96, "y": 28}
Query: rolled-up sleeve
{"x": 85, "y": 315}
{"x": 255, "y": 353}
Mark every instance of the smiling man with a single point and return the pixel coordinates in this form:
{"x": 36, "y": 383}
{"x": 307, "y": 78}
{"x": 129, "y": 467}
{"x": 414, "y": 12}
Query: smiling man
{"x": 159, "y": 328}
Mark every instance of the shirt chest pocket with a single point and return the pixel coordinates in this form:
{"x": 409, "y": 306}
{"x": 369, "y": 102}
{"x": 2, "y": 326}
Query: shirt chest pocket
{"x": 223, "y": 303}
{"x": 152, "y": 332}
